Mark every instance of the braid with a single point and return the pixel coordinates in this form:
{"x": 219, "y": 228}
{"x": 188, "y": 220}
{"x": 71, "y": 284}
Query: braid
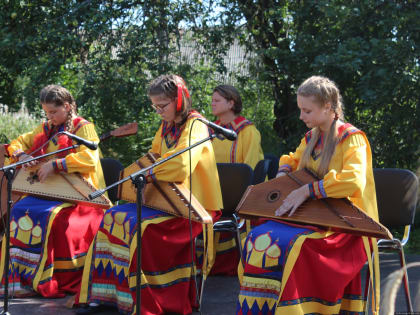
{"x": 58, "y": 95}
{"x": 325, "y": 91}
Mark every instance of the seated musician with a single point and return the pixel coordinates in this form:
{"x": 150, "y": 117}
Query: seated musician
{"x": 49, "y": 239}
{"x": 298, "y": 269}
{"x": 167, "y": 278}
{"x": 226, "y": 106}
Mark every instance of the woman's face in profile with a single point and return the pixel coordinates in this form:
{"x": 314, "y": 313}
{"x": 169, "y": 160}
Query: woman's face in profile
{"x": 57, "y": 115}
{"x": 220, "y": 105}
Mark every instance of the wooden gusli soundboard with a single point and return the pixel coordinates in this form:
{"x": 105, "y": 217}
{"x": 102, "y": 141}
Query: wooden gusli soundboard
{"x": 171, "y": 198}
{"x": 336, "y": 214}
{"x": 70, "y": 187}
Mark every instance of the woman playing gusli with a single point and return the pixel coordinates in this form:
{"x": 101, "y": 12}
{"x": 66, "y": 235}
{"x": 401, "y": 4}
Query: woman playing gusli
{"x": 296, "y": 269}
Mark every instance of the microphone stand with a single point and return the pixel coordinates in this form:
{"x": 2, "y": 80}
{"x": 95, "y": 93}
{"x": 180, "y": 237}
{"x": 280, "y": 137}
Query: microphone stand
{"x": 9, "y": 172}
{"x": 139, "y": 180}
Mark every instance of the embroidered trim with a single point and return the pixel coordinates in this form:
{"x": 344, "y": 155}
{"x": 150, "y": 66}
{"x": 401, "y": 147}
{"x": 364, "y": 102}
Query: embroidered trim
{"x": 236, "y": 125}
{"x": 285, "y": 168}
{"x": 316, "y": 190}
{"x": 233, "y": 151}
{"x": 171, "y": 133}
{"x": 80, "y": 124}
{"x": 61, "y": 165}
{"x": 347, "y": 130}
{"x": 18, "y": 153}
{"x": 311, "y": 191}
{"x": 55, "y": 166}
{"x": 150, "y": 177}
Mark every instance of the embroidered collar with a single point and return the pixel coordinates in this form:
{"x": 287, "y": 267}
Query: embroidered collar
{"x": 236, "y": 125}
{"x": 172, "y": 131}
{"x": 40, "y": 142}
{"x": 343, "y": 132}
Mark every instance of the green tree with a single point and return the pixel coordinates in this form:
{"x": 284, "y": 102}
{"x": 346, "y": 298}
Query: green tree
{"x": 370, "y": 48}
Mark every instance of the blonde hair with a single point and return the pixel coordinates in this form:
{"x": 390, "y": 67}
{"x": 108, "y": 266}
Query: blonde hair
{"x": 325, "y": 92}
{"x": 168, "y": 85}
{"x": 58, "y": 95}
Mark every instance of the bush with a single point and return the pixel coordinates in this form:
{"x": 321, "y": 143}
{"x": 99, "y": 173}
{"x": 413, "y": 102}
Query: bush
{"x": 14, "y": 124}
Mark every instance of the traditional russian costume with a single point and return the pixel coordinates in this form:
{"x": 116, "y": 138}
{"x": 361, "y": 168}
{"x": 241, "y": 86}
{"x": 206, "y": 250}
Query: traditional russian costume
{"x": 167, "y": 271}
{"x": 245, "y": 149}
{"x": 49, "y": 239}
{"x": 297, "y": 269}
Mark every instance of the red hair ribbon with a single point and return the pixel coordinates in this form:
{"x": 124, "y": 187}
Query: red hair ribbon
{"x": 181, "y": 88}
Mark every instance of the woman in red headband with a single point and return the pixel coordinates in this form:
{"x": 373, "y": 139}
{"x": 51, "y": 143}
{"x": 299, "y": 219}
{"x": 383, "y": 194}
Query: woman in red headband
{"x": 167, "y": 275}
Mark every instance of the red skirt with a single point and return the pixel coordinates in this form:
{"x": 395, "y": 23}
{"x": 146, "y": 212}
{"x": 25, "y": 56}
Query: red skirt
{"x": 293, "y": 269}
{"x": 49, "y": 241}
{"x": 167, "y": 282}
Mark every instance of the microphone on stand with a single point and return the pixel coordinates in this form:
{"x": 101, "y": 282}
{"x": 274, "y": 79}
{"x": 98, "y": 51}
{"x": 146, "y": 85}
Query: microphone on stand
{"x": 90, "y": 144}
{"x": 227, "y": 133}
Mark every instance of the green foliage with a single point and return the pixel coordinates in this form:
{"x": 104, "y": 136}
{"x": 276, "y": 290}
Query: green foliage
{"x": 107, "y": 53}
{"x": 370, "y": 48}
{"x": 14, "y": 124}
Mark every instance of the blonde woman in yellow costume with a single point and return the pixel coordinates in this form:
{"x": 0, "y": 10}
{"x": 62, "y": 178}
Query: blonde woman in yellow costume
{"x": 226, "y": 105}
{"x": 49, "y": 239}
{"x": 167, "y": 278}
{"x": 296, "y": 269}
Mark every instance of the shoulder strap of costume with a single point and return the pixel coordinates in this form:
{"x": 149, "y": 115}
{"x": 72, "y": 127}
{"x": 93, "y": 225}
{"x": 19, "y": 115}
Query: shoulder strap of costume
{"x": 194, "y": 114}
{"x": 347, "y": 130}
{"x": 79, "y": 122}
{"x": 240, "y": 123}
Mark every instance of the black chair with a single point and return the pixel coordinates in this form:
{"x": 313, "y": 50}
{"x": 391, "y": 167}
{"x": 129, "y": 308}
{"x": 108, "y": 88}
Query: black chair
{"x": 260, "y": 171}
{"x": 111, "y": 168}
{"x": 274, "y": 165}
{"x": 234, "y": 179}
{"x": 396, "y": 193}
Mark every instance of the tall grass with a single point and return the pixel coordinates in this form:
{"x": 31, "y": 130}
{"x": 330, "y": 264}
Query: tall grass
{"x": 14, "y": 124}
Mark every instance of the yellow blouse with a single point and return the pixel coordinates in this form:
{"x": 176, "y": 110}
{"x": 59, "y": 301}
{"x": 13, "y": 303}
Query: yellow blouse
{"x": 350, "y": 171}
{"x": 205, "y": 178}
{"x": 83, "y": 160}
{"x": 245, "y": 149}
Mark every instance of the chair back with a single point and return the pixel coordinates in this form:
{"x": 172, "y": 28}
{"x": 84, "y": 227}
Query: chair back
{"x": 234, "y": 180}
{"x": 260, "y": 171}
{"x": 274, "y": 165}
{"x": 396, "y": 193}
{"x": 111, "y": 168}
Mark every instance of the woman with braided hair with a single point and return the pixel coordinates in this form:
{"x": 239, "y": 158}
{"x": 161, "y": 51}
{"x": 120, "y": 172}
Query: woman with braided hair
{"x": 167, "y": 283}
{"x": 297, "y": 269}
{"x": 49, "y": 239}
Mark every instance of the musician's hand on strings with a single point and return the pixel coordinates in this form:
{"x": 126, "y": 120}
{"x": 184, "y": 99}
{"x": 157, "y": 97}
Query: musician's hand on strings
{"x": 44, "y": 171}
{"x": 24, "y": 157}
{"x": 293, "y": 201}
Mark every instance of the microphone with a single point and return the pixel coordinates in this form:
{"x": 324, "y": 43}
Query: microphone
{"x": 227, "y": 133}
{"x": 90, "y": 144}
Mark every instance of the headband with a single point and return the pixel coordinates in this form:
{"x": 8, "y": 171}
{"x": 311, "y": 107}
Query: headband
{"x": 181, "y": 88}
